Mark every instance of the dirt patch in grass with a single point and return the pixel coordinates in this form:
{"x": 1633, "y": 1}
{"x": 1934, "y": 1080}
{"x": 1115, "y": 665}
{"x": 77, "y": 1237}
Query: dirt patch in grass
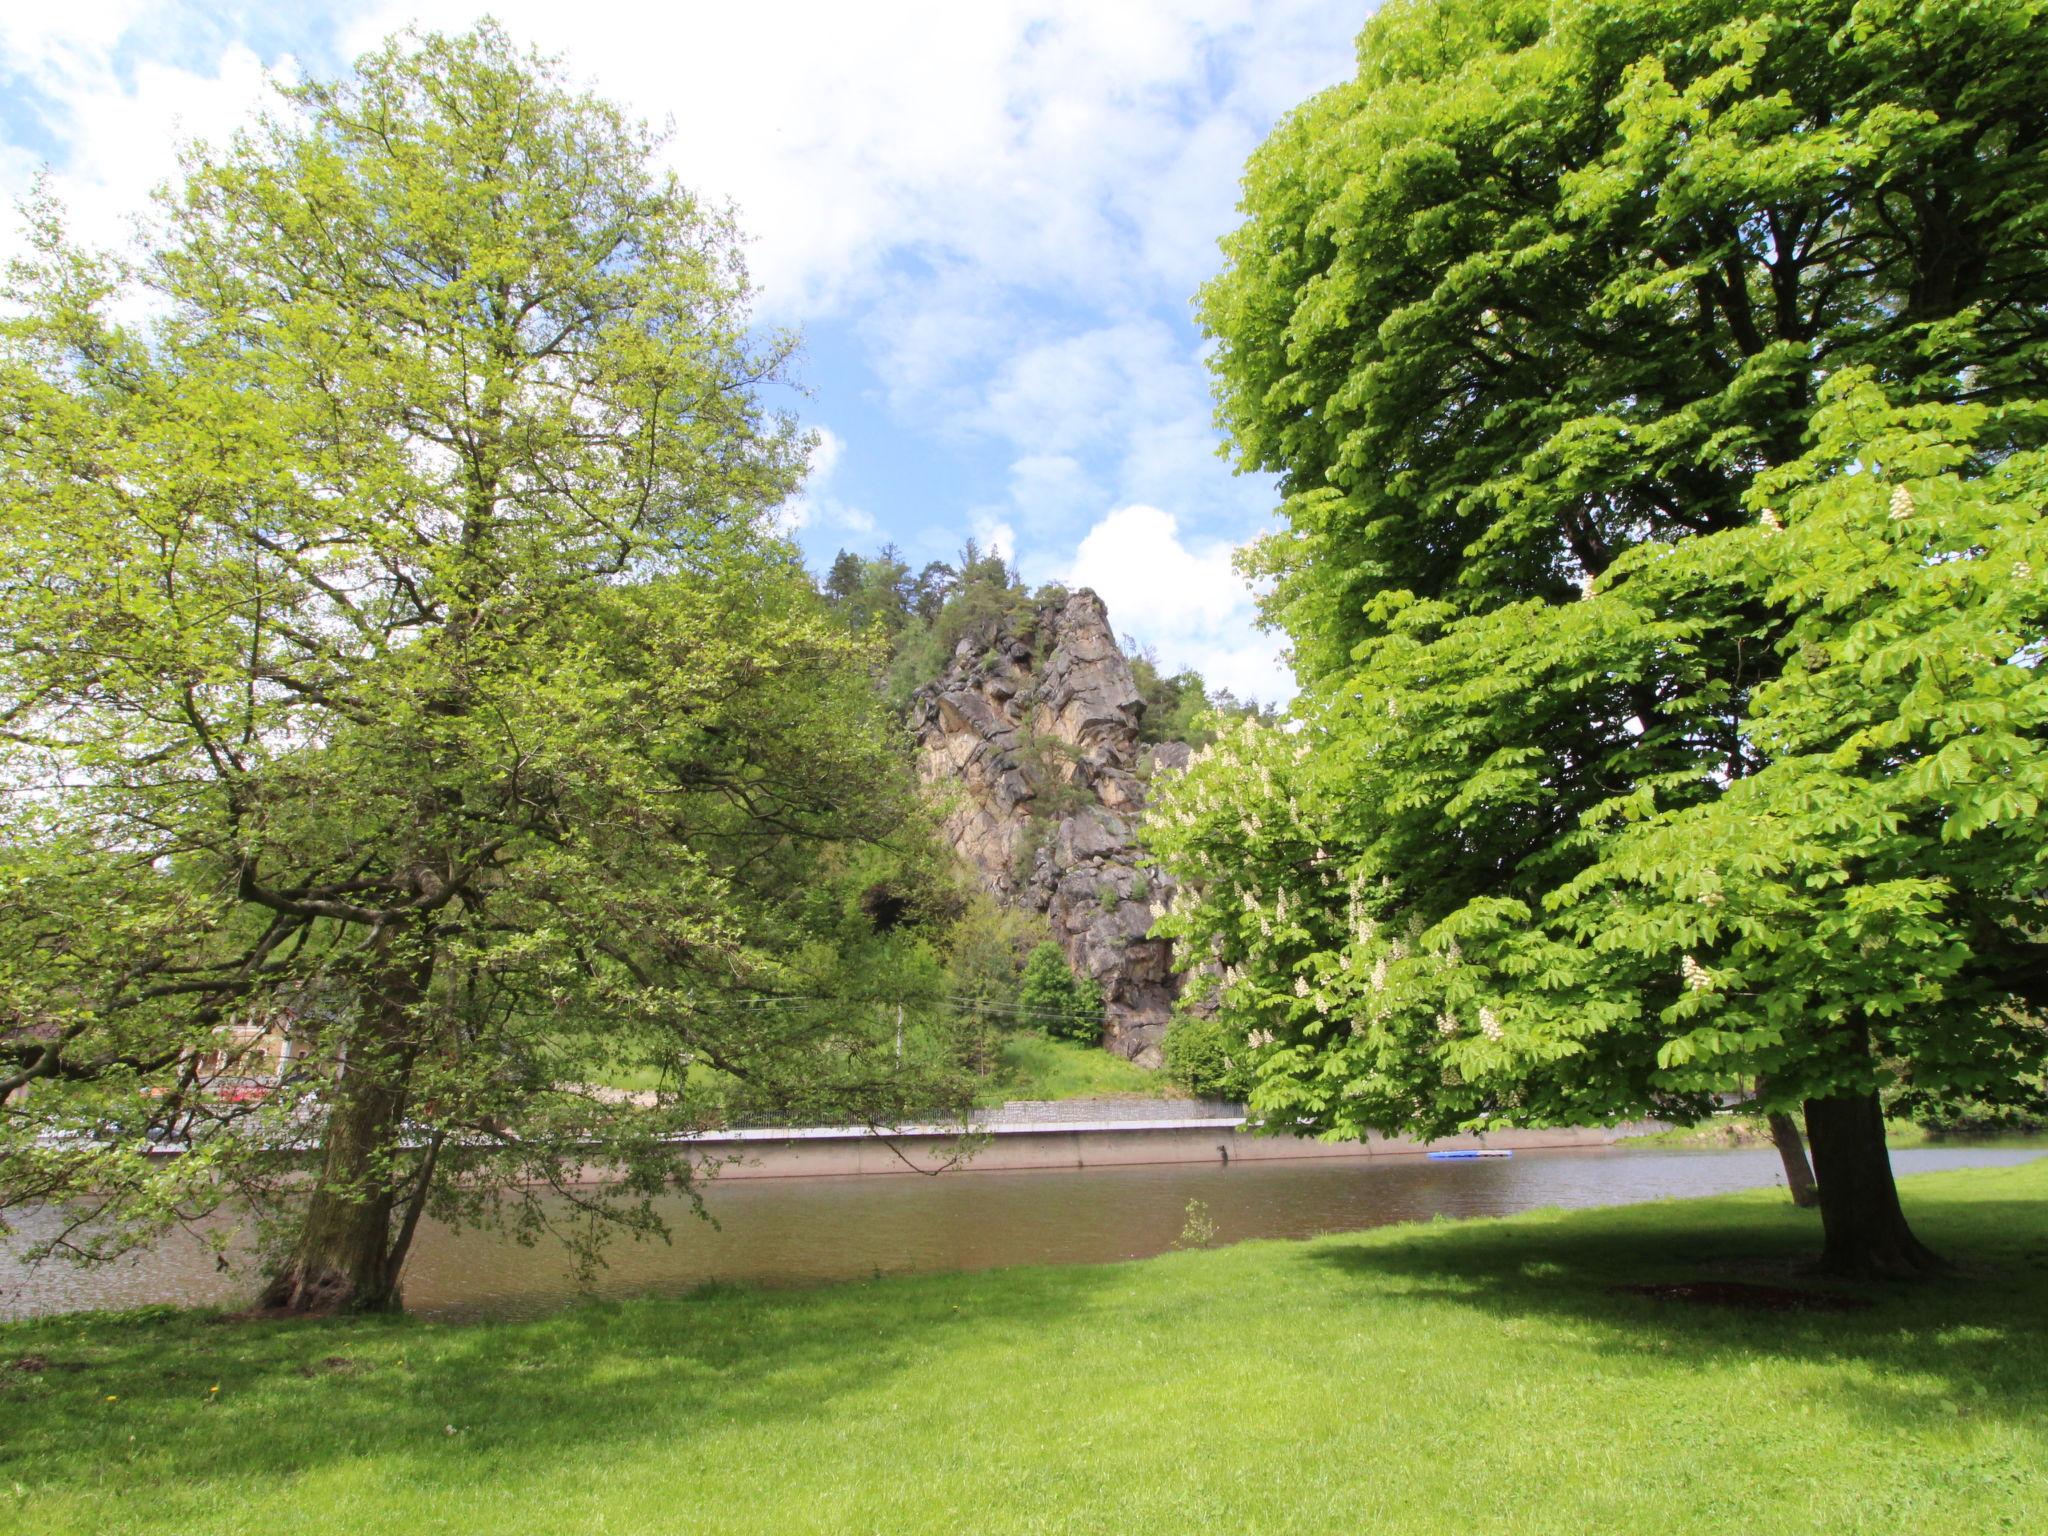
{"x": 30, "y": 1365}
{"x": 340, "y": 1365}
{"x": 1747, "y": 1296}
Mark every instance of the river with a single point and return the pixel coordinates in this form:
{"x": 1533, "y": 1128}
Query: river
{"x": 809, "y": 1230}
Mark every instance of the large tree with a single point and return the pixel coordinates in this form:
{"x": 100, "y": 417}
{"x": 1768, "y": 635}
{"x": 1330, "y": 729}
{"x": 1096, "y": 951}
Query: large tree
{"x": 399, "y": 659}
{"x": 1551, "y": 322}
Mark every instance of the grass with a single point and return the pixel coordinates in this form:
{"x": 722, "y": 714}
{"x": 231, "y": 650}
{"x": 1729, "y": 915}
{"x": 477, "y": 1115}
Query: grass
{"x": 1035, "y": 1066}
{"x": 1750, "y": 1131}
{"x": 1029, "y": 1066}
{"x": 1474, "y": 1376}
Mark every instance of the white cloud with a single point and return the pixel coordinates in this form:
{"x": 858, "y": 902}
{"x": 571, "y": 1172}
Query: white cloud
{"x": 1007, "y": 202}
{"x": 995, "y": 536}
{"x": 117, "y": 132}
{"x": 817, "y": 506}
{"x": 1124, "y": 406}
{"x": 1046, "y": 489}
{"x": 1042, "y": 144}
{"x": 1186, "y": 602}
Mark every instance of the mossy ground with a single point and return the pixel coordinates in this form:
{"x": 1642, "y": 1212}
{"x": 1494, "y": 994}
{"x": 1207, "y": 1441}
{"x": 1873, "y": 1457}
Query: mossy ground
{"x": 1474, "y": 1376}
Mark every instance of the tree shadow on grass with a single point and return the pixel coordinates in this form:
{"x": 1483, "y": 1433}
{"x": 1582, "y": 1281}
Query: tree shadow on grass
{"x": 209, "y": 1400}
{"x": 1980, "y": 1332}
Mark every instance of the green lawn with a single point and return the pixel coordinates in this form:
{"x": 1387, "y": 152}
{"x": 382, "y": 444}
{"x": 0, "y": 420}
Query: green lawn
{"x": 1034, "y": 1066}
{"x": 1456, "y": 1377}
{"x": 1750, "y": 1131}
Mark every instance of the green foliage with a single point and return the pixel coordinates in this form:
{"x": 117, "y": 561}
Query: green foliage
{"x": 1207, "y": 1055}
{"x": 1174, "y": 706}
{"x": 1032, "y": 1065}
{"x": 985, "y": 948}
{"x": 1181, "y": 707}
{"x": 396, "y": 629}
{"x": 1051, "y": 997}
{"x": 1548, "y": 280}
{"x": 1859, "y": 905}
{"x": 1664, "y": 520}
{"x": 943, "y": 607}
{"x": 881, "y": 593}
{"x": 1197, "y": 1230}
{"x": 1036, "y": 832}
{"x": 1053, "y": 765}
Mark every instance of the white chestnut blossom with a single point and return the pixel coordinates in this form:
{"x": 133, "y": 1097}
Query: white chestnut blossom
{"x": 1902, "y": 505}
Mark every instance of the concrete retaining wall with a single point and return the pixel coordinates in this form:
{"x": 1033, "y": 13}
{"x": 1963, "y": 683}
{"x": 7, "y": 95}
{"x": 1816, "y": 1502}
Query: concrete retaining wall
{"x": 828, "y": 1152}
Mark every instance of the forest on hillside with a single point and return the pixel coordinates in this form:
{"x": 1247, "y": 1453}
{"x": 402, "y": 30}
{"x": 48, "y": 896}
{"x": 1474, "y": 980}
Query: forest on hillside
{"x": 922, "y": 614}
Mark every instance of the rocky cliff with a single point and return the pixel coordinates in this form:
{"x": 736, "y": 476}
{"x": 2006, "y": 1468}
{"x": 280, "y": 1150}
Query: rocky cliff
{"x": 1032, "y": 736}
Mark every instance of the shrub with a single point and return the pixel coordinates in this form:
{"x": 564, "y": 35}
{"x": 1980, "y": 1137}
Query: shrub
{"x": 1208, "y": 1057}
{"x": 1053, "y": 997}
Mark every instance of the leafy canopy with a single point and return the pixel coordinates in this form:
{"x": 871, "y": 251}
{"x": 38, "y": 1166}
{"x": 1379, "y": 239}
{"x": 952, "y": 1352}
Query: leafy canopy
{"x": 1657, "y": 394}
{"x": 399, "y": 657}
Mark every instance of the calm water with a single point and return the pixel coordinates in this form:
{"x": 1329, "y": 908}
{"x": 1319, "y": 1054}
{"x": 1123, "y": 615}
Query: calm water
{"x": 799, "y": 1231}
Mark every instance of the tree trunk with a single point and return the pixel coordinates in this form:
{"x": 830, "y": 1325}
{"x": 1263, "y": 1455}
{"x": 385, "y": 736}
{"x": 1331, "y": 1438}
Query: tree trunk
{"x": 342, "y": 1260}
{"x": 1865, "y": 1231}
{"x": 1792, "y": 1153}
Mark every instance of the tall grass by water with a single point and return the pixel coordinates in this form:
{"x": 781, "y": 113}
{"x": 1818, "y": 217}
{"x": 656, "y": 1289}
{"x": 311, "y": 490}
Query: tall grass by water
{"x": 1504, "y": 1375}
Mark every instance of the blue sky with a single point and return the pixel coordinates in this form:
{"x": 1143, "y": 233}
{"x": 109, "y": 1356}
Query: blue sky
{"x": 986, "y": 217}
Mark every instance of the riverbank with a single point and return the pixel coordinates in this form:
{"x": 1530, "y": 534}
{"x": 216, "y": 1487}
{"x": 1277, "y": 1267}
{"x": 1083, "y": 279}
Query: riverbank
{"x": 1017, "y": 1137}
{"x": 1480, "y": 1375}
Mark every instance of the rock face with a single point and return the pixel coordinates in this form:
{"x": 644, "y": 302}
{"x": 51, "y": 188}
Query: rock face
{"x": 1032, "y": 734}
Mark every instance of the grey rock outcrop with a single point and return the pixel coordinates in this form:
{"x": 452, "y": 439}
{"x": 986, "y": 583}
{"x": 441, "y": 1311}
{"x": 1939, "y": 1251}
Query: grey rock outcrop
{"x": 1032, "y": 735}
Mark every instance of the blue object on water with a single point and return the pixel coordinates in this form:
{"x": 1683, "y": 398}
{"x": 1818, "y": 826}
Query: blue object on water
{"x": 1463, "y": 1157}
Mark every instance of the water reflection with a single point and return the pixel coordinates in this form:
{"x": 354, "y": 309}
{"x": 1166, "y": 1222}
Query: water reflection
{"x": 800, "y": 1231}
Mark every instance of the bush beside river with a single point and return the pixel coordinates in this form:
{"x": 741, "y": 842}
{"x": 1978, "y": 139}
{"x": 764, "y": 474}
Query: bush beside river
{"x": 1549, "y": 1372}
